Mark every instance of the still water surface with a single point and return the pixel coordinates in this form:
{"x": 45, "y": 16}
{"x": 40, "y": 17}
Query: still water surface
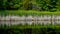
{"x": 28, "y": 22}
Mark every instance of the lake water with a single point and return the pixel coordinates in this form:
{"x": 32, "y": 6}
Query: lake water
{"x": 15, "y": 20}
{"x": 29, "y": 22}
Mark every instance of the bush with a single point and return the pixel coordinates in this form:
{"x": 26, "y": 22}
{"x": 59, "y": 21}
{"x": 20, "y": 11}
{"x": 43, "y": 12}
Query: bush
{"x": 13, "y": 4}
{"x": 47, "y": 4}
{"x": 10, "y": 4}
{"x": 43, "y": 5}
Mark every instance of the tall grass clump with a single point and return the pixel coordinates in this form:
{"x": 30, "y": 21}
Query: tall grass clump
{"x": 27, "y": 13}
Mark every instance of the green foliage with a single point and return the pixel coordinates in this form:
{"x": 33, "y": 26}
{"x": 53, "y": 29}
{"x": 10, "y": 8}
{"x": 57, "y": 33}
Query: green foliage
{"x": 58, "y": 5}
{"x": 13, "y": 4}
{"x": 3, "y": 4}
{"x": 10, "y": 4}
{"x": 47, "y": 4}
{"x": 27, "y": 5}
{"x": 42, "y": 5}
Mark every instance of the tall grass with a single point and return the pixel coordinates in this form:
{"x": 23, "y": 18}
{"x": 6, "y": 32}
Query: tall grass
{"x": 28, "y": 12}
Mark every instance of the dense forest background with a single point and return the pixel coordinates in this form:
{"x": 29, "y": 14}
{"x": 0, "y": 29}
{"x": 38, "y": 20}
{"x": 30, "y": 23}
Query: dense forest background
{"x": 41, "y": 5}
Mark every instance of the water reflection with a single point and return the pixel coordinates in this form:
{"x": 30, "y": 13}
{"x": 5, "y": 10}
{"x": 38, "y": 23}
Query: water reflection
{"x": 28, "y": 22}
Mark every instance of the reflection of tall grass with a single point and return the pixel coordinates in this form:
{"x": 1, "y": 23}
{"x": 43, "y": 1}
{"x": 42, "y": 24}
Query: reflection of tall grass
{"x": 4, "y": 26}
{"x": 29, "y": 26}
{"x": 32, "y": 29}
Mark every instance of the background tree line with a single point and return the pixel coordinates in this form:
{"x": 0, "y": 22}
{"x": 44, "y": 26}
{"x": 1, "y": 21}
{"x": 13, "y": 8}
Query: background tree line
{"x": 42, "y": 5}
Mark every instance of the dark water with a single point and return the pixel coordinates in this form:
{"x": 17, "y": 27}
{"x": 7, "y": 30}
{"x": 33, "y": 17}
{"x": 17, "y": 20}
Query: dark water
{"x": 28, "y": 22}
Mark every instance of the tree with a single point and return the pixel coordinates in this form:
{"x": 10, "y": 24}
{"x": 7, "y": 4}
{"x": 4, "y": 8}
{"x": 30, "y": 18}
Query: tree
{"x": 14, "y": 4}
{"x": 49, "y": 5}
